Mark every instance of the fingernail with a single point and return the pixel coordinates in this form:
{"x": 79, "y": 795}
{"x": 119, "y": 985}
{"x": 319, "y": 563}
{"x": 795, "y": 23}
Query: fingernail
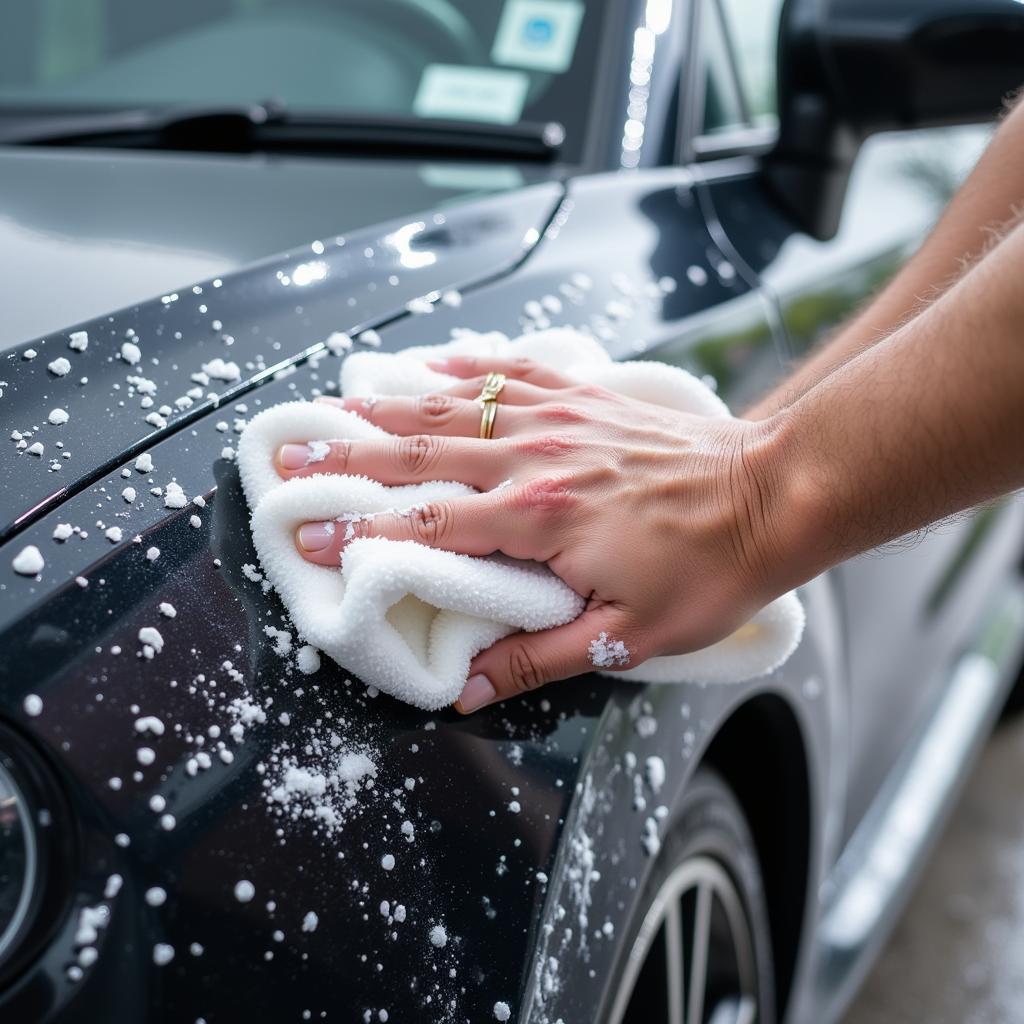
{"x": 315, "y": 536}
{"x": 476, "y": 693}
{"x": 330, "y": 400}
{"x": 293, "y": 456}
{"x": 438, "y": 364}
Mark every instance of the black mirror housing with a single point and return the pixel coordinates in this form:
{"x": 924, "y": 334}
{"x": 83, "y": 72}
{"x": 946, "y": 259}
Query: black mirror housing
{"x": 849, "y": 68}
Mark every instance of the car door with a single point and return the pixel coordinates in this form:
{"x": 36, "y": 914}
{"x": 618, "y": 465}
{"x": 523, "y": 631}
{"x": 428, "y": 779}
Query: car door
{"x": 908, "y": 607}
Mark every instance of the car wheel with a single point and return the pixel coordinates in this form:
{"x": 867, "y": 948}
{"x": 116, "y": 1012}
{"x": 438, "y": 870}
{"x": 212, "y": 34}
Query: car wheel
{"x": 699, "y": 951}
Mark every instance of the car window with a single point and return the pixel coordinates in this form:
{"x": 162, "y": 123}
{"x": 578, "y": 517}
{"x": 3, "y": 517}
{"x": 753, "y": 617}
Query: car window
{"x": 496, "y": 61}
{"x": 723, "y": 104}
{"x": 753, "y": 27}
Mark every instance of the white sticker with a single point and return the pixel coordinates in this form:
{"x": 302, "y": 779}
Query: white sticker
{"x": 474, "y": 94}
{"x": 538, "y": 34}
{"x": 472, "y": 177}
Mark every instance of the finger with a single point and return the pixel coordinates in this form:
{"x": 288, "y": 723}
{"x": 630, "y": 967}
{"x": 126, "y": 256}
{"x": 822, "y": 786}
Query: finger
{"x": 402, "y": 460}
{"x": 525, "y": 661}
{"x": 443, "y": 413}
{"x": 514, "y": 392}
{"x": 515, "y": 369}
{"x": 474, "y": 525}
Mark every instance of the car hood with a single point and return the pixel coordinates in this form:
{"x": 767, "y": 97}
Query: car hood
{"x": 84, "y": 234}
{"x": 87, "y": 232}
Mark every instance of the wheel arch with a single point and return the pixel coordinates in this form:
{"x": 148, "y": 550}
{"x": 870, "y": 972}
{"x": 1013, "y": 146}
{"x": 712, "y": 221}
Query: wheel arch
{"x": 761, "y": 754}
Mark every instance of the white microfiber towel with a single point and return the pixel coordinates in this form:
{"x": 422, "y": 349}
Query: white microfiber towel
{"x": 408, "y": 618}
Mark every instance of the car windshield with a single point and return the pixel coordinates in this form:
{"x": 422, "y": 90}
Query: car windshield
{"x": 499, "y": 62}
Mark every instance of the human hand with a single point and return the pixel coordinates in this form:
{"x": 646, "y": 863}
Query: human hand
{"x": 661, "y": 520}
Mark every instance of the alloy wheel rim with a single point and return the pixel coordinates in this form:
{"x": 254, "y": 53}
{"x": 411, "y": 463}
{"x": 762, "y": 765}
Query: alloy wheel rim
{"x": 701, "y": 915}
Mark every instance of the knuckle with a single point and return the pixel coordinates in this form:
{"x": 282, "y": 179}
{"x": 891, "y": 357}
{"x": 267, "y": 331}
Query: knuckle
{"x": 547, "y": 495}
{"x": 548, "y": 446}
{"x": 417, "y": 453}
{"x": 431, "y": 523}
{"x": 356, "y": 527}
{"x": 341, "y": 452}
{"x": 435, "y": 408}
{"x": 588, "y": 391}
{"x": 525, "y": 671}
{"x": 560, "y": 412}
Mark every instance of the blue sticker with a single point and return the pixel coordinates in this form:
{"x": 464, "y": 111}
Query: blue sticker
{"x": 538, "y": 34}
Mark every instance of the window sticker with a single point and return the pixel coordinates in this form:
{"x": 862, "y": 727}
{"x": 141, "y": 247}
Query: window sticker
{"x": 472, "y": 177}
{"x": 472, "y": 94}
{"x": 538, "y": 34}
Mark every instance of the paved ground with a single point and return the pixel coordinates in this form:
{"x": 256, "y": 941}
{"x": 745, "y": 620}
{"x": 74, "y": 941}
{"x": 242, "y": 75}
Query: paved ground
{"x": 957, "y": 957}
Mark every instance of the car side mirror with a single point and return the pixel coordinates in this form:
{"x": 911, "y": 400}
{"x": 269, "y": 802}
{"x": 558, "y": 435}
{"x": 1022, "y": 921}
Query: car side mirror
{"x": 849, "y": 68}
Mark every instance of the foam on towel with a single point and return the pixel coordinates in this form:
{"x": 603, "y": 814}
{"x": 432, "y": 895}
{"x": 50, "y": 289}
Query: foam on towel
{"x": 408, "y": 618}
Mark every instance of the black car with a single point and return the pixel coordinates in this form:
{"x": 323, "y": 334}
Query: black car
{"x": 202, "y": 204}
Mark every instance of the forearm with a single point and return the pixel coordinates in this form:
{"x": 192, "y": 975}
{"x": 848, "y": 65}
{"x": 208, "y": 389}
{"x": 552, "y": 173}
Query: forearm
{"x": 986, "y": 205}
{"x": 926, "y": 423}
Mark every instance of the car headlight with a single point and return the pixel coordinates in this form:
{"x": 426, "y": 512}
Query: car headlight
{"x": 18, "y": 861}
{"x": 38, "y": 849}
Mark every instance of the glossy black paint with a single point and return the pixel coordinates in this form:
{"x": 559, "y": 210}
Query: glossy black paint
{"x": 533, "y": 902}
{"x": 97, "y": 231}
{"x": 370, "y": 277}
{"x": 222, "y": 831}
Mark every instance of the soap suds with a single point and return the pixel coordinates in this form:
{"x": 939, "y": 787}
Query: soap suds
{"x": 29, "y": 561}
{"x": 60, "y": 367}
{"x": 325, "y": 788}
{"x": 58, "y": 417}
{"x": 650, "y": 840}
{"x": 282, "y": 640}
{"x": 218, "y": 369}
{"x": 150, "y": 724}
{"x": 174, "y": 496}
{"x": 307, "y": 660}
{"x": 654, "y": 769}
{"x": 606, "y": 653}
{"x": 151, "y": 640}
{"x": 244, "y": 891}
{"x": 163, "y": 953}
{"x": 156, "y": 897}
{"x": 317, "y": 451}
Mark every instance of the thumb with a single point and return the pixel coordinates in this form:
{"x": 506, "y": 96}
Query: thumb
{"x": 522, "y": 662}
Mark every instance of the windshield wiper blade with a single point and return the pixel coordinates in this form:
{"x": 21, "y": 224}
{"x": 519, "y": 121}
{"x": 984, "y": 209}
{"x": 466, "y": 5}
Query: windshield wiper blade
{"x": 271, "y": 128}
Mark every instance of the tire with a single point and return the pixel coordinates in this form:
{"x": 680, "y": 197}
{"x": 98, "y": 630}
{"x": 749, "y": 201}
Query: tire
{"x": 707, "y": 871}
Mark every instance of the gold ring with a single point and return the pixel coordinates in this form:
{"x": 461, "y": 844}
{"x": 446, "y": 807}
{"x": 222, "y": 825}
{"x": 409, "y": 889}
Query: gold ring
{"x": 488, "y": 401}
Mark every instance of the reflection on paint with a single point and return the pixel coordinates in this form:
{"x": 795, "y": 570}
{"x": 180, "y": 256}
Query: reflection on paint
{"x": 306, "y": 273}
{"x": 401, "y": 242}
